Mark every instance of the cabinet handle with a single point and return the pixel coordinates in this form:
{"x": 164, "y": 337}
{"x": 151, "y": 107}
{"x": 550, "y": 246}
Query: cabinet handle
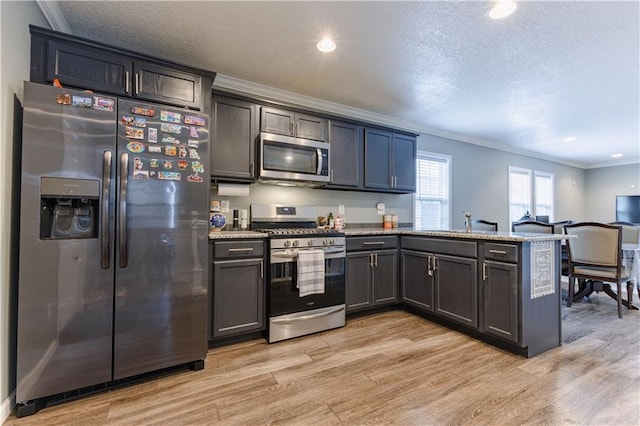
{"x": 375, "y": 259}
{"x": 373, "y": 243}
{"x": 137, "y": 84}
{"x": 393, "y": 181}
{"x": 484, "y": 271}
{"x": 370, "y": 260}
{"x": 497, "y": 251}
{"x": 235, "y": 250}
{"x": 261, "y": 269}
{"x": 127, "y": 82}
{"x": 435, "y": 263}
{"x": 331, "y": 176}
{"x": 297, "y": 129}
{"x": 251, "y": 168}
{"x": 292, "y": 129}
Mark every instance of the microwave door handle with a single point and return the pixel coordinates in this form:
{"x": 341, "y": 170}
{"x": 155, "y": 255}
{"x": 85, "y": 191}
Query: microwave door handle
{"x": 319, "y": 154}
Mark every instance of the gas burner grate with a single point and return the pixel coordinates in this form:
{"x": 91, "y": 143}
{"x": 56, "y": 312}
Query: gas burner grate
{"x": 288, "y": 232}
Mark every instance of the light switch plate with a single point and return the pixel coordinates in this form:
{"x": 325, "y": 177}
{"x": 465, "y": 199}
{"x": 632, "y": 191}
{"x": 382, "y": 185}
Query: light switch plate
{"x": 340, "y": 208}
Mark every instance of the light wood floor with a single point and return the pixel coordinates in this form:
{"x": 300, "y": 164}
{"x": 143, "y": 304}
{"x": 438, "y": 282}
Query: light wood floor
{"x": 391, "y": 367}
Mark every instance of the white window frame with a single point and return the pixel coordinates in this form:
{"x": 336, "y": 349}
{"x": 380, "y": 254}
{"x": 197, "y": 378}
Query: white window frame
{"x": 534, "y": 205}
{"x": 447, "y": 159}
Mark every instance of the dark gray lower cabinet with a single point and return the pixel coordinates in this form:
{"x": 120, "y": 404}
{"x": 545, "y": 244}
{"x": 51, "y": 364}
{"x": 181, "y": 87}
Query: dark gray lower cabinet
{"x": 238, "y": 296}
{"x": 416, "y": 280}
{"x": 456, "y": 288}
{"x": 500, "y": 300}
{"x": 371, "y": 279}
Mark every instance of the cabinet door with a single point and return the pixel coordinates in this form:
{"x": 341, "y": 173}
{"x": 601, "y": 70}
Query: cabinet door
{"x": 358, "y": 281}
{"x": 310, "y": 127}
{"x": 500, "y": 300}
{"x": 346, "y": 154}
{"x": 276, "y": 121}
{"x": 238, "y": 297}
{"x": 403, "y": 155}
{"x": 456, "y": 289}
{"x": 417, "y": 284}
{"x": 88, "y": 68}
{"x": 385, "y": 277}
{"x": 166, "y": 85}
{"x": 234, "y": 130}
{"x": 376, "y": 159}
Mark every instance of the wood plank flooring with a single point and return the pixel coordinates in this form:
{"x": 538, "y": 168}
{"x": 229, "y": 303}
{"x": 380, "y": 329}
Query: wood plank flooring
{"x": 391, "y": 367}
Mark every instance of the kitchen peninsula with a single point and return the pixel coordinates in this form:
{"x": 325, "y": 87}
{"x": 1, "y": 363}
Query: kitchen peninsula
{"x": 500, "y": 287}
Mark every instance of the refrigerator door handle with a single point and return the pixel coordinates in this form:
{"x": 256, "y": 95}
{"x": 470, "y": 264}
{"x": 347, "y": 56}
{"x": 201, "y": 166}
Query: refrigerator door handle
{"x": 104, "y": 214}
{"x": 124, "y": 174}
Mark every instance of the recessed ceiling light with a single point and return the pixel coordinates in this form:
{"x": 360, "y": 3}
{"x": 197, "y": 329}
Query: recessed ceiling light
{"x": 326, "y": 45}
{"x": 502, "y": 9}
{"x": 618, "y": 155}
{"x": 569, "y": 139}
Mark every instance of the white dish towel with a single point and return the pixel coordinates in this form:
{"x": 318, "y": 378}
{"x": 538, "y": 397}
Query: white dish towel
{"x": 310, "y": 272}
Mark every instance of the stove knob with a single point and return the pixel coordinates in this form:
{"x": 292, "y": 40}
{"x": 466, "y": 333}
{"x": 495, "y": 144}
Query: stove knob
{"x": 296, "y": 243}
{"x": 332, "y": 242}
{"x": 287, "y": 243}
{"x": 324, "y": 242}
{"x": 310, "y": 242}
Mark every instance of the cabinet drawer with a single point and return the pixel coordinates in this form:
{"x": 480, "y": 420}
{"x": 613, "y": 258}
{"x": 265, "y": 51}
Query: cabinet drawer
{"x": 504, "y": 252}
{"x": 371, "y": 243}
{"x": 441, "y": 245}
{"x": 236, "y": 249}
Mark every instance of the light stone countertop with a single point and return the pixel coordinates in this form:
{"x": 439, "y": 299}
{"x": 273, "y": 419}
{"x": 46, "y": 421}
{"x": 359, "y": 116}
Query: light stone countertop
{"x": 458, "y": 233}
{"x": 362, "y": 232}
{"x": 227, "y": 235}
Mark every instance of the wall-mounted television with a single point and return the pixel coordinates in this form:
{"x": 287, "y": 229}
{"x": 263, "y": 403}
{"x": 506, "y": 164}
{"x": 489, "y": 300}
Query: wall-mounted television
{"x": 628, "y": 208}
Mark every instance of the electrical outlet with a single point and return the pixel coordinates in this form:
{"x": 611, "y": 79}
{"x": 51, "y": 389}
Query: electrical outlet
{"x": 380, "y": 207}
{"x": 340, "y": 208}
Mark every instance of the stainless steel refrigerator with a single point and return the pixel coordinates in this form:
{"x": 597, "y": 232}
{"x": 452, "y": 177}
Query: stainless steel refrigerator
{"x": 113, "y": 240}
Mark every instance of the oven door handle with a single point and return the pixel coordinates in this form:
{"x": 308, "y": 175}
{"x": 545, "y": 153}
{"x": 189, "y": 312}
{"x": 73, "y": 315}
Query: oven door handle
{"x": 288, "y": 254}
{"x": 308, "y": 317}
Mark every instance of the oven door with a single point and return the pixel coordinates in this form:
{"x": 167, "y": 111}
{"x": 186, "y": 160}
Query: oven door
{"x": 283, "y": 294}
{"x": 285, "y": 157}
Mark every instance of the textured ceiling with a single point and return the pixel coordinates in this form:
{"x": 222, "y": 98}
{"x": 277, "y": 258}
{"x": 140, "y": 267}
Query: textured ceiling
{"x": 550, "y": 71}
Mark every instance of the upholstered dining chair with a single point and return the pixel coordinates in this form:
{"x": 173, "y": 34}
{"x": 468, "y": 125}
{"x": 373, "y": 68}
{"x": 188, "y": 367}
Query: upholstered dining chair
{"x": 630, "y": 232}
{"x": 558, "y": 227}
{"x": 532, "y": 226}
{"x": 484, "y": 225}
{"x": 594, "y": 258}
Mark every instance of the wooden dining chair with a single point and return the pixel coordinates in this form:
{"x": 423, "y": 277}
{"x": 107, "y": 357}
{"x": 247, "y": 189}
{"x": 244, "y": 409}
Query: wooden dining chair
{"x": 558, "y": 227}
{"x": 484, "y": 225}
{"x": 532, "y": 226}
{"x": 630, "y": 232}
{"x": 595, "y": 260}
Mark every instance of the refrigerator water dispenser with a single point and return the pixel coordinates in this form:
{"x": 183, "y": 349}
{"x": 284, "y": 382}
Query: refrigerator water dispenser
{"x": 68, "y": 208}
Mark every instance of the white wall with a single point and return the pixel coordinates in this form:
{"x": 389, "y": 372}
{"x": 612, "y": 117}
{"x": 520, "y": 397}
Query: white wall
{"x": 603, "y": 184}
{"x": 15, "y": 17}
{"x": 480, "y": 181}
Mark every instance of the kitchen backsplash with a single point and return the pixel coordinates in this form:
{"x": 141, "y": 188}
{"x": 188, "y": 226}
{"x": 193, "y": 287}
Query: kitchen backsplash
{"x": 360, "y": 207}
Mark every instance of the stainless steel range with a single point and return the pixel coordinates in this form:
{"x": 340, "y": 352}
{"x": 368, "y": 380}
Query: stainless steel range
{"x": 292, "y": 230}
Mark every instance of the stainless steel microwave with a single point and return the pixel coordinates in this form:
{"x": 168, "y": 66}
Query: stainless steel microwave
{"x": 293, "y": 159}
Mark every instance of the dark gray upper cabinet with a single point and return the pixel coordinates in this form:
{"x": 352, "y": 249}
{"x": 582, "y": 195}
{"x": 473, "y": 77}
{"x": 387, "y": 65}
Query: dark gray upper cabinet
{"x": 290, "y": 123}
{"x": 164, "y": 84}
{"x": 390, "y": 161}
{"x": 345, "y": 154}
{"x": 86, "y": 64}
{"x": 234, "y": 130}
{"x": 83, "y": 66}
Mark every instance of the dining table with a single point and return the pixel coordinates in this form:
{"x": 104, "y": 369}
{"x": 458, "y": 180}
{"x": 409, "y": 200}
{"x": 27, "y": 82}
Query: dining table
{"x": 630, "y": 253}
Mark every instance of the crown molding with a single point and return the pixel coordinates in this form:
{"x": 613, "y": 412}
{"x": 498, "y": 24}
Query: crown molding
{"x": 54, "y": 16}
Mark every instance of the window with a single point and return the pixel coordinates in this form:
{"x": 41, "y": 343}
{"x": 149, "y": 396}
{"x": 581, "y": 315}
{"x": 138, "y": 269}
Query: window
{"x": 530, "y": 195}
{"x": 432, "y": 191}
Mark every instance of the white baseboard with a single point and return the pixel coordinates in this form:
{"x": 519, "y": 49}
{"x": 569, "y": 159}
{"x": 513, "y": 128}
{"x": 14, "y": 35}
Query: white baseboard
{"x": 7, "y": 406}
